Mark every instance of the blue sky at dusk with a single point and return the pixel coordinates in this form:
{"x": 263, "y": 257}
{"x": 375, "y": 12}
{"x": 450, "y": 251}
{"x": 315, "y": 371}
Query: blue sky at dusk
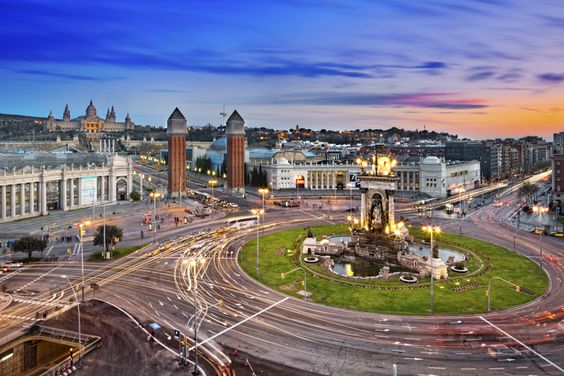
{"x": 481, "y": 68}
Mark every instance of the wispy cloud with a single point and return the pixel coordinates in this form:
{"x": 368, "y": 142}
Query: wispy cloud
{"x": 166, "y": 91}
{"x": 66, "y": 76}
{"x": 551, "y": 77}
{"x": 450, "y": 101}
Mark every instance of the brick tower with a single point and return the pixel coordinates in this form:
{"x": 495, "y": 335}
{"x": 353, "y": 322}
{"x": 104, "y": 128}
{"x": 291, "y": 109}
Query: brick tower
{"x": 235, "y": 133}
{"x": 176, "y": 132}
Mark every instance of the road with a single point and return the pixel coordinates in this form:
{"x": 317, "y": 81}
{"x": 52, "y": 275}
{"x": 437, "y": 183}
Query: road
{"x": 313, "y": 337}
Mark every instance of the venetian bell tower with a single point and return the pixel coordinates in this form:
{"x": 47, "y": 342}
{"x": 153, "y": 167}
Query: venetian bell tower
{"x": 176, "y": 132}
{"x": 235, "y": 133}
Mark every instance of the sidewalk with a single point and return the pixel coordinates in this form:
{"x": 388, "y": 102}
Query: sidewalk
{"x": 61, "y": 220}
{"x": 129, "y": 217}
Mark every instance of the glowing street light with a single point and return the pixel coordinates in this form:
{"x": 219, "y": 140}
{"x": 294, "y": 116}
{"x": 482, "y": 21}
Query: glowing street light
{"x": 263, "y": 192}
{"x": 212, "y": 183}
{"x": 432, "y": 230}
{"x": 81, "y": 232}
{"x": 154, "y": 196}
{"x": 257, "y": 213}
{"x": 540, "y": 210}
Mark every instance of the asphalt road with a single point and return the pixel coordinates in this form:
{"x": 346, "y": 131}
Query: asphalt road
{"x": 320, "y": 339}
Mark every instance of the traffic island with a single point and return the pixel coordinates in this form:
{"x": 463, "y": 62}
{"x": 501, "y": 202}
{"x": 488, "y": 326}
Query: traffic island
{"x": 461, "y": 293}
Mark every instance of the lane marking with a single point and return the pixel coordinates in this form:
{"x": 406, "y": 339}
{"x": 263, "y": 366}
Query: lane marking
{"x": 241, "y": 322}
{"x": 522, "y": 344}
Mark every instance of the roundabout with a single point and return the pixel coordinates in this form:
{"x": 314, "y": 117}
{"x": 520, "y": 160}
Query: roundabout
{"x": 464, "y": 292}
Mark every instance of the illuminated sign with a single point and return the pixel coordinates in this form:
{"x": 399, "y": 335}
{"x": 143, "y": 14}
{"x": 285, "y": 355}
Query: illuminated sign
{"x": 88, "y": 189}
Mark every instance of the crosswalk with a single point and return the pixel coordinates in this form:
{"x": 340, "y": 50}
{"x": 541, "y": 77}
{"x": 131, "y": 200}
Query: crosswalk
{"x": 37, "y": 279}
{"x": 54, "y": 301}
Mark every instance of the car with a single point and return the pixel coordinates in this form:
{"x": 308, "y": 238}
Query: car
{"x": 12, "y": 265}
{"x": 5, "y": 269}
{"x": 503, "y": 353}
{"x": 351, "y": 210}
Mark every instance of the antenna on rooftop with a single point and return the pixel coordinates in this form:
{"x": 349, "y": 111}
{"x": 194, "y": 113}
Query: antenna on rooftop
{"x": 223, "y": 114}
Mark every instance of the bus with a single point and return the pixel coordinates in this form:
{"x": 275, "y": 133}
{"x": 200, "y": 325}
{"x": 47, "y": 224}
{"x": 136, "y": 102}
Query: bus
{"x": 241, "y": 222}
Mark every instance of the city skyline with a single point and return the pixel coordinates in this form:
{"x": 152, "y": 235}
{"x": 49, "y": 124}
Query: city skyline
{"x": 478, "y": 69}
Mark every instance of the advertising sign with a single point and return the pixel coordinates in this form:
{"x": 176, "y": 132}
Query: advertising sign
{"x": 354, "y": 178}
{"x": 88, "y": 189}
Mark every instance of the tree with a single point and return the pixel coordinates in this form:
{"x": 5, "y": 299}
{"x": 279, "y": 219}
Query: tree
{"x": 113, "y": 235}
{"x": 204, "y": 163}
{"x": 135, "y": 196}
{"x": 528, "y": 191}
{"x": 30, "y": 244}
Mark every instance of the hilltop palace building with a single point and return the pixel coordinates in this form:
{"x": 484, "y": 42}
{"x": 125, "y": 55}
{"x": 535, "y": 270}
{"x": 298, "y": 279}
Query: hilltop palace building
{"x": 35, "y": 183}
{"x": 89, "y": 123}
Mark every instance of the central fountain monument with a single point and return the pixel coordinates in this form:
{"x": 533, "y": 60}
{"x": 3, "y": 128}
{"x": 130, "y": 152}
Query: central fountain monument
{"x": 380, "y": 237}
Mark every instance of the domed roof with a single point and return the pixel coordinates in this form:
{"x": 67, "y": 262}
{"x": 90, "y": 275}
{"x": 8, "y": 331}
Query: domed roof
{"x": 325, "y": 241}
{"x": 282, "y": 161}
{"x": 90, "y": 110}
{"x": 431, "y": 160}
{"x": 220, "y": 144}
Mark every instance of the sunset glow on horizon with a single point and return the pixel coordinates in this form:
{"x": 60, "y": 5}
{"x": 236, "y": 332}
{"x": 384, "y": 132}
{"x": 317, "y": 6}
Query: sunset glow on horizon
{"x": 479, "y": 69}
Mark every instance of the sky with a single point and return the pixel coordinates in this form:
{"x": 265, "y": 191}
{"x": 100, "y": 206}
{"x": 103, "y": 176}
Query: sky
{"x": 476, "y": 68}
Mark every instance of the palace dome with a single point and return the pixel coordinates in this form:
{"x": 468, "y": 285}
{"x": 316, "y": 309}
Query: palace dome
{"x": 91, "y": 110}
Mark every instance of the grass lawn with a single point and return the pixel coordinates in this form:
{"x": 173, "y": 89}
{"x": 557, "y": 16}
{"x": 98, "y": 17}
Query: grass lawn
{"x": 118, "y": 253}
{"x": 393, "y": 296}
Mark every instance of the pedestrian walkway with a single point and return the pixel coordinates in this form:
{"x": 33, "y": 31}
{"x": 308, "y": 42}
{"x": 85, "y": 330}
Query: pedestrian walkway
{"x": 63, "y": 220}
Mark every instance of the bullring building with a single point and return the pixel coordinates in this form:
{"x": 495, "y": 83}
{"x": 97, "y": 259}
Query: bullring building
{"x": 35, "y": 183}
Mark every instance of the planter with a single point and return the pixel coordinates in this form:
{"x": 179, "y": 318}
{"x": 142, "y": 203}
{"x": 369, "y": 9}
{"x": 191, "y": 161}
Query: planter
{"x": 408, "y": 279}
{"x": 457, "y": 270}
{"x": 311, "y": 260}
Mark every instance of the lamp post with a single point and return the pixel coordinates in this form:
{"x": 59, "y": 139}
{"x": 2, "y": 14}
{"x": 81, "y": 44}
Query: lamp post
{"x": 540, "y": 210}
{"x": 154, "y": 196}
{"x": 104, "y": 231}
{"x": 283, "y": 275}
{"x": 141, "y": 177}
{"x": 432, "y": 230}
{"x": 212, "y": 183}
{"x": 257, "y": 213}
{"x": 263, "y": 192}
{"x": 81, "y": 231}
{"x": 460, "y": 190}
{"x": 78, "y": 308}
{"x": 193, "y": 264}
{"x": 351, "y": 185}
{"x": 515, "y": 240}
{"x": 489, "y": 292}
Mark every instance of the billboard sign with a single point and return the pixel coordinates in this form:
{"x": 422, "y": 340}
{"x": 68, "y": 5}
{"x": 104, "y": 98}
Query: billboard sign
{"x": 354, "y": 178}
{"x": 88, "y": 189}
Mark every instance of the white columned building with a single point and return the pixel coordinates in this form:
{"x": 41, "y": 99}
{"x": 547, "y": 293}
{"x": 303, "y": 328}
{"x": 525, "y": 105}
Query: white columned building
{"x": 33, "y": 184}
